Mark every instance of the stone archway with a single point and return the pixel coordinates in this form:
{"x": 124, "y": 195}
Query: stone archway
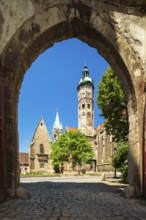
{"x": 108, "y": 29}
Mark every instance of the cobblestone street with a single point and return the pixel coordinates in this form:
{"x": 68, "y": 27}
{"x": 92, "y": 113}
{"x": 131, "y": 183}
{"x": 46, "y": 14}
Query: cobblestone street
{"x": 77, "y": 198}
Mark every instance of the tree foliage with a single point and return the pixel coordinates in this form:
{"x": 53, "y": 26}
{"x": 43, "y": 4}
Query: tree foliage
{"x": 113, "y": 105}
{"x": 71, "y": 145}
{"x": 119, "y": 160}
{"x": 120, "y": 155}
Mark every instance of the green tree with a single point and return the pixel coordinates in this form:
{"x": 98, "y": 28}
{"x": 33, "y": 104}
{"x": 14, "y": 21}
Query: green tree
{"x": 72, "y": 145}
{"x": 119, "y": 160}
{"x": 113, "y": 105}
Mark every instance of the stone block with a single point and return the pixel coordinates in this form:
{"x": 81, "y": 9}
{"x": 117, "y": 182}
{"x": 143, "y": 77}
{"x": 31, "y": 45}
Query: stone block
{"x": 11, "y": 192}
{"x": 132, "y": 192}
{"x": 22, "y": 193}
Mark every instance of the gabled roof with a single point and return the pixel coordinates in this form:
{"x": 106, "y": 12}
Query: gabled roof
{"x": 23, "y": 158}
{"x": 40, "y": 122}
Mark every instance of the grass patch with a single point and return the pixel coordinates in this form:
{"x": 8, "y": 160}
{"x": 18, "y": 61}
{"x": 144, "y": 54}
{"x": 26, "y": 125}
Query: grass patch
{"x": 39, "y": 175}
{"x": 93, "y": 174}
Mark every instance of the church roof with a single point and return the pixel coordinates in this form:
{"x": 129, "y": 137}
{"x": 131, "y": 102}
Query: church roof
{"x": 71, "y": 129}
{"x": 23, "y": 158}
{"x": 85, "y": 77}
{"x": 100, "y": 127}
{"x": 41, "y": 122}
{"x": 57, "y": 123}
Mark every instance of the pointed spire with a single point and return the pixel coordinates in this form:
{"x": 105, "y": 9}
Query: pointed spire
{"x": 57, "y": 128}
{"x": 57, "y": 123}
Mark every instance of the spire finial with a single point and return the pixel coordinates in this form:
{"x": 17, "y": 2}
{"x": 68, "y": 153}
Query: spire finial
{"x": 85, "y": 72}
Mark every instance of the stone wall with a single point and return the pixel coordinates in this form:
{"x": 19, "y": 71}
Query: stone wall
{"x": 105, "y": 149}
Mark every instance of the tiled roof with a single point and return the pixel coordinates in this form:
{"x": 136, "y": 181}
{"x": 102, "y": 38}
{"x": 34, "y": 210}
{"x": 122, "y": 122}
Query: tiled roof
{"x": 71, "y": 129}
{"x": 99, "y": 128}
{"x": 23, "y": 158}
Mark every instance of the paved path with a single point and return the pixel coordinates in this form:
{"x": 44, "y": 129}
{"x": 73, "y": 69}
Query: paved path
{"x": 73, "y": 198}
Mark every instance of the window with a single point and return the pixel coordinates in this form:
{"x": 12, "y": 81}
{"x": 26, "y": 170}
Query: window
{"x": 41, "y": 165}
{"x": 103, "y": 140}
{"x": 103, "y": 151}
{"x": 41, "y": 149}
{"x": 88, "y": 106}
{"x": 111, "y": 138}
{"x": 83, "y": 106}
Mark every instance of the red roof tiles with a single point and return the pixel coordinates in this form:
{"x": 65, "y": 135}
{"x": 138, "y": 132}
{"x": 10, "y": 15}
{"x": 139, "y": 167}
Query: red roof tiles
{"x": 23, "y": 158}
{"x": 71, "y": 129}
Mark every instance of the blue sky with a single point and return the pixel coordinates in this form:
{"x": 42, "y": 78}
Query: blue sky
{"x": 51, "y": 84}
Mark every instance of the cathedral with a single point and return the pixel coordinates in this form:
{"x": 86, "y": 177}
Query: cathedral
{"x": 102, "y": 144}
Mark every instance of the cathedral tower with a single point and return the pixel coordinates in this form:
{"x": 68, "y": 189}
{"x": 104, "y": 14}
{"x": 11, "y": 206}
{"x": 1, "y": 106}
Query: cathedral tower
{"x": 86, "y": 103}
{"x": 57, "y": 128}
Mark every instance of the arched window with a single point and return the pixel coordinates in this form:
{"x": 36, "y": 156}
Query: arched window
{"x": 41, "y": 149}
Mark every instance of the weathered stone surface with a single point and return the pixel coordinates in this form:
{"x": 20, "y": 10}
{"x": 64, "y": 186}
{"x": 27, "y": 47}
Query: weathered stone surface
{"x": 118, "y": 34}
{"x": 132, "y": 192}
{"x": 11, "y": 192}
{"x": 22, "y": 193}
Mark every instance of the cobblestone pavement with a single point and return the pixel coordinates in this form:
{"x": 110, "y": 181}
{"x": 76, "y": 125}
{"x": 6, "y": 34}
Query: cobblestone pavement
{"x": 73, "y": 200}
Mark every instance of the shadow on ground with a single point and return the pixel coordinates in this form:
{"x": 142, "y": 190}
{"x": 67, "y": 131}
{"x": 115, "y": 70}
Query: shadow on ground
{"x": 84, "y": 187}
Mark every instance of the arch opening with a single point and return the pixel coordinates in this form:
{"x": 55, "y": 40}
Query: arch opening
{"x": 24, "y": 48}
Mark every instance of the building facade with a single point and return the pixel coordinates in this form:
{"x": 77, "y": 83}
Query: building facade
{"x": 104, "y": 148}
{"x": 102, "y": 144}
{"x": 40, "y": 149}
{"x": 24, "y": 163}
